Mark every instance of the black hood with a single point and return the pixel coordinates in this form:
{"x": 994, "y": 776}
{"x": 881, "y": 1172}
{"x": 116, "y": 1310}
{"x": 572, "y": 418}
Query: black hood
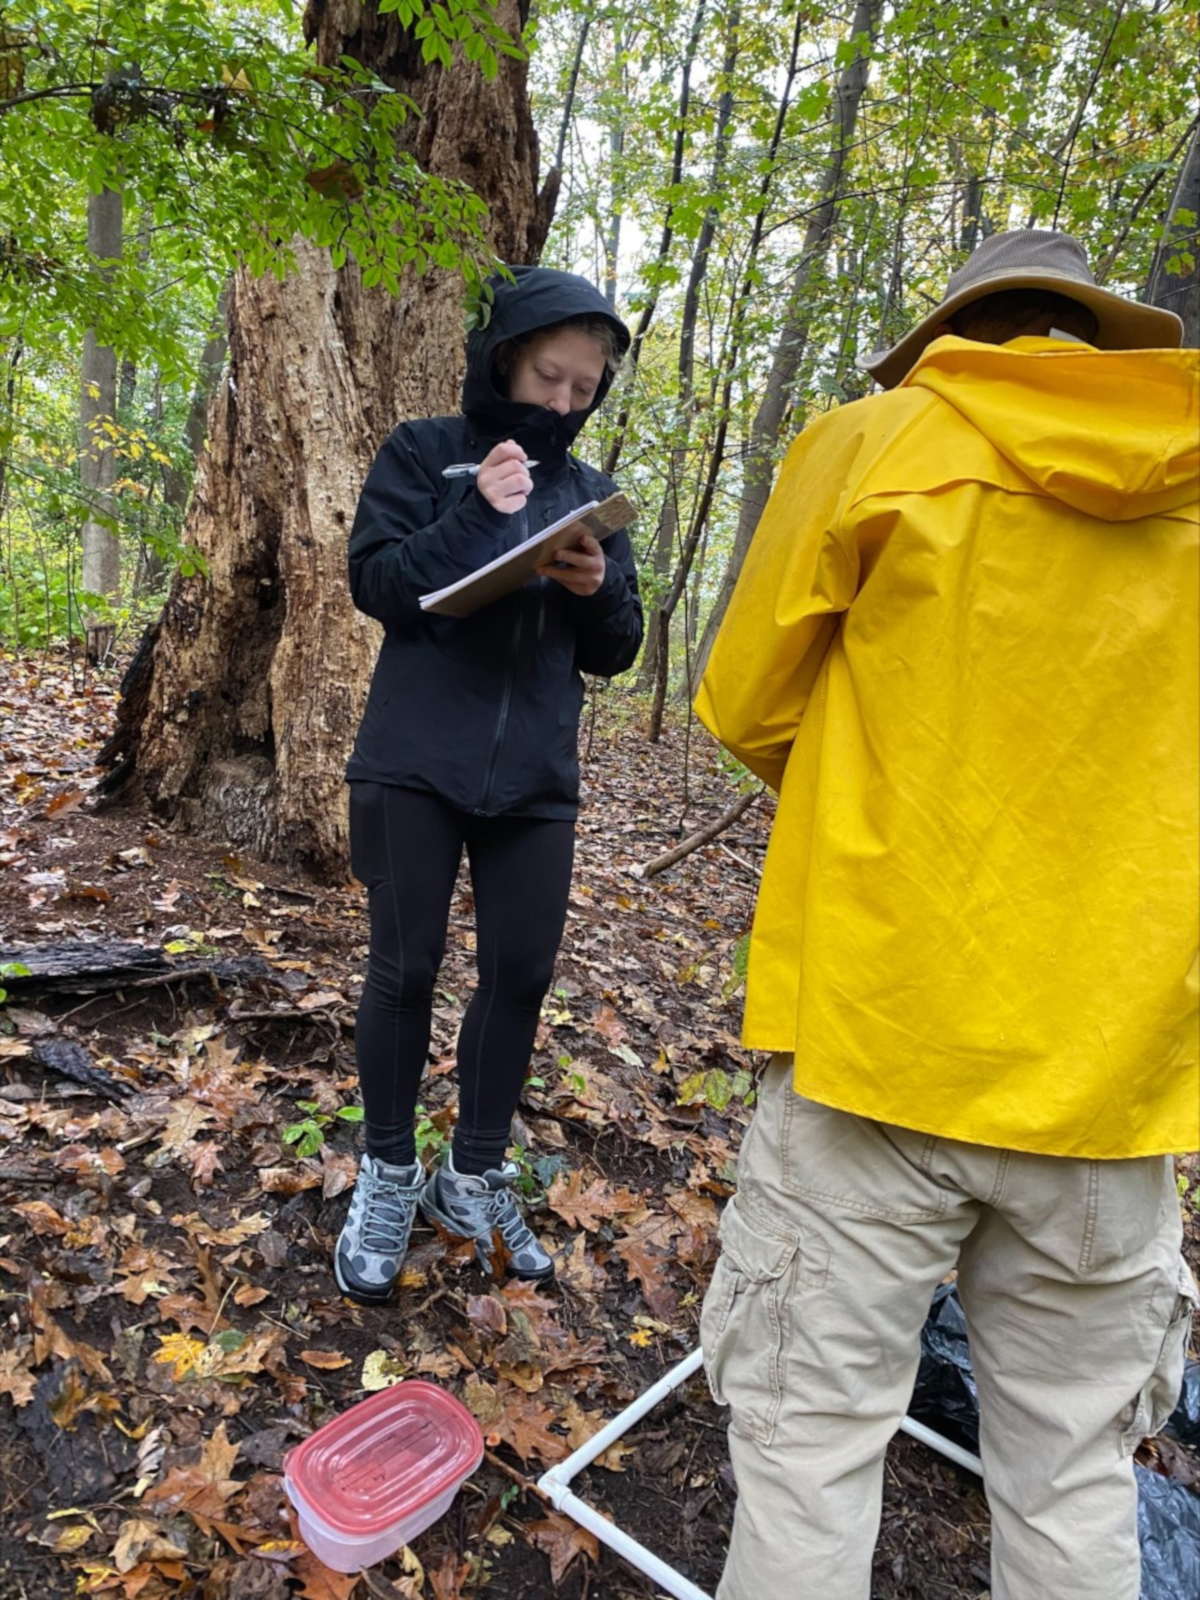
{"x": 538, "y": 298}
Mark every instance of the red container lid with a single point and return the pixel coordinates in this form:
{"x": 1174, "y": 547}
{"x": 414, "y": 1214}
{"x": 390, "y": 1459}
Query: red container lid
{"x": 385, "y": 1458}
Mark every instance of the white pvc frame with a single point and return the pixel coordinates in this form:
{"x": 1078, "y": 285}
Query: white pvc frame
{"x": 555, "y": 1484}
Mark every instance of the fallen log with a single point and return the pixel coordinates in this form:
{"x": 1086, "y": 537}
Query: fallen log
{"x": 94, "y": 966}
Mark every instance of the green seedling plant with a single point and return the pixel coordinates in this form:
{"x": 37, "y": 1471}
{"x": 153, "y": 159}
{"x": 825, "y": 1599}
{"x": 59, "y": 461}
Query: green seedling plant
{"x": 10, "y": 969}
{"x": 308, "y": 1135}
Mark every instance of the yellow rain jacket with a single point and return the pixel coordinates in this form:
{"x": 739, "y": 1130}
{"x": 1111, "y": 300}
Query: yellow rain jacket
{"x": 964, "y": 650}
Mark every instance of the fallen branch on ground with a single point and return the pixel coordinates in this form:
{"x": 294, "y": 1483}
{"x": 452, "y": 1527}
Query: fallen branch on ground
{"x": 705, "y": 836}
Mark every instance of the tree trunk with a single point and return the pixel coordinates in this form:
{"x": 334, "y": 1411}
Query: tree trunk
{"x": 97, "y": 461}
{"x": 768, "y": 423}
{"x": 1180, "y": 291}
{"x": 656, "y": 658}
{"x": 259, "y": 671}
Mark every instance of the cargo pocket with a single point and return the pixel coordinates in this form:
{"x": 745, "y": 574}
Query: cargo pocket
{"x": 745, "y": 1323}
{"x": 1160, "y": 1393}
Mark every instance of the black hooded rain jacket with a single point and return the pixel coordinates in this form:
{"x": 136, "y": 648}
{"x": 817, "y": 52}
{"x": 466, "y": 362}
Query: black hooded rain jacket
{"x": 484, "y": 710}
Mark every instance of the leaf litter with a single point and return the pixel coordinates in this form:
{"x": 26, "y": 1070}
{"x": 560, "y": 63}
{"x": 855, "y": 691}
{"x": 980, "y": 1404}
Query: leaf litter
{"x": 165, "y": 1252}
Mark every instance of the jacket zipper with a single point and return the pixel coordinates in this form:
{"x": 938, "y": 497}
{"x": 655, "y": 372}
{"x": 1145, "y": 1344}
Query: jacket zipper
{"x": 506, "y": 698}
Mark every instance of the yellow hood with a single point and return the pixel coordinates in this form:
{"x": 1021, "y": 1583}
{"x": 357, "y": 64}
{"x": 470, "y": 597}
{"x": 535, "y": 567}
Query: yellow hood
{"x": 1112, "y": 433}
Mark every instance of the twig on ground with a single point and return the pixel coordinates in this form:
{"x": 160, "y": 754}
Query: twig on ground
{"x": 705, "y": 836}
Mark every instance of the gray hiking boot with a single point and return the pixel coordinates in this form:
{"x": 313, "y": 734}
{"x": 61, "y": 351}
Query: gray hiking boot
{"x": 374, "y": 1240}
{"x": 474, "y": 1208}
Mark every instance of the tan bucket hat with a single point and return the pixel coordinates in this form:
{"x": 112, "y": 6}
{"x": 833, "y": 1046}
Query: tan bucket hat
{"x": 1032, "y": 258}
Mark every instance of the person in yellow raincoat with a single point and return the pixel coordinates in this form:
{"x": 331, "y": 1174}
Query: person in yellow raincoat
{"x": 964, "y": 650}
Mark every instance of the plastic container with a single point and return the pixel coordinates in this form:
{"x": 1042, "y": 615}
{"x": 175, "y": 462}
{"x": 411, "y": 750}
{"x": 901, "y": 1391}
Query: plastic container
{"x": 370, "y": 1480}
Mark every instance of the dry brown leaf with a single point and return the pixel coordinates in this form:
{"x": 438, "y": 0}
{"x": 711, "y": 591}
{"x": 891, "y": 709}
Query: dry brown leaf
{"x": 235, "y": 1233}
{"x": 16, "y": 1380}
{"x": 142, "y": 1540}
{"x": 206, "y": 1163}
{"x": 288, "y": 1181}
{"x": 325, "y": 1360}
{"x": 486, "y": 1313}
{"x": 562, "y": 1540}
{"x": 186, "y": 1120}
{"x": 42, "y": 1217}
{"x": 448, "y": 1578}
{"x": 49, "y": 1339}
{"x": 338, "y": 1172}
{"x": 587, "y": 1208}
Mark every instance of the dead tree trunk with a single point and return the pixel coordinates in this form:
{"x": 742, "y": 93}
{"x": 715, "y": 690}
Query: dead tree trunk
{"x": 767, "y": 426}
{"x": 259, "y": 671}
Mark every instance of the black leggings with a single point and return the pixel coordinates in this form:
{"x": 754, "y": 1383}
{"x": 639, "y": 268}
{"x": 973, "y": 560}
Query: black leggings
{"x": 405, "y": 846}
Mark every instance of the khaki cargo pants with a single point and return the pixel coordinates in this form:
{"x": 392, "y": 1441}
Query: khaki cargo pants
{"x": 1078, "y": 1306}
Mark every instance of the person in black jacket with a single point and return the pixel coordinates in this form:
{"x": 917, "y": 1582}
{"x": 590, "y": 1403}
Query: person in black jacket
{"x": 469, "y": 738}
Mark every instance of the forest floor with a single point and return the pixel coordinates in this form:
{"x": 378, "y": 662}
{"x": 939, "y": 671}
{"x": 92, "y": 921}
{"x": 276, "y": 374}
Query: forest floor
{"x": 170, "y": 1320}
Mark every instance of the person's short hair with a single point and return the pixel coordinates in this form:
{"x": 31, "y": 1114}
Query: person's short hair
{"x": 993, "y": 318}
{"x": 598, "y": 328}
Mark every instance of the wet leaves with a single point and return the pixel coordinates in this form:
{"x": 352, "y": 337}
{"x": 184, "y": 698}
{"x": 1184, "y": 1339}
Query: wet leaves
{"x": 170, "y": 1267}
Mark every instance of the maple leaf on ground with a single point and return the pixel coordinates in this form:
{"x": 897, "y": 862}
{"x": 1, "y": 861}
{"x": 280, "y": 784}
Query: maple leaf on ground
{"x": 562, "y": 1540}
{"x": 579, "y": 1270}
{"x": 206, "y": 1163}
{"x": 205, "y": 1487}
{"x": 645, "y": 1250}
{"x": 235, "y": 1233}
{"x": 608, "y": 1024}
{"x": 582, "y": 1425}
{"x": 186, "y": 1120}
{"x": 145, "y": 1272}
{"x": 587, "y": 1208}
{"x": 141, "y": 1540}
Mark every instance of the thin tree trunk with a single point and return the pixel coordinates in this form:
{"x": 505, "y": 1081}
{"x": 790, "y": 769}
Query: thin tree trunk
{"x": 97, "y": 460}
{"x": 259, "y": 672}
{"x": 564, "y": 127}
{"x": 668, "y": 234}
{"x": 616, "y": 167}
{"x": 767, "y": 427}
{"x": 656, "y": 658}
{"x": 1180, "y": 291}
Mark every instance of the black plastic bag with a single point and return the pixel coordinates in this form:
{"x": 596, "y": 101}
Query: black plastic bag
{"x": 945, "y": 1398}
{"x": 1184, "y": 1423}
{"x": 1169, "y": 1531}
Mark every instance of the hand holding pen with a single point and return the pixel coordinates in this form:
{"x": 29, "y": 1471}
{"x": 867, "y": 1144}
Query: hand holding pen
{"x": 502, "y": 477}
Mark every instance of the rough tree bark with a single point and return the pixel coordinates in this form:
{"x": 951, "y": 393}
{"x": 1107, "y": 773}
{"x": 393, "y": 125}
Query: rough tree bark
{"x": 97, "y": 462}
{"x": 1180, "y": 291}
{"x": 767, "y": 426}
{"x": 241, "y": 724}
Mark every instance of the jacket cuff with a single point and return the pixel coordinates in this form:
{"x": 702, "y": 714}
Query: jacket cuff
{"x": 485, "y": 512}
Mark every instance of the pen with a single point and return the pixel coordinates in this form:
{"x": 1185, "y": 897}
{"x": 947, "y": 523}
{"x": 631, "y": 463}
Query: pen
{"x": 468, "y": 469}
